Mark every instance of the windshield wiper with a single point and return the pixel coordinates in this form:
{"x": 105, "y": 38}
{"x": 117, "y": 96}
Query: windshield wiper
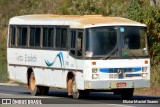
{"x": 127, "y": 50}
{"x": 108, "y": 56}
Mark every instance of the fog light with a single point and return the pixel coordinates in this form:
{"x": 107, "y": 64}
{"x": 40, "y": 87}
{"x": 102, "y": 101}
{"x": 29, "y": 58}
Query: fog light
{"x": 144, "y": 75}
{"x": 94, "y": 76}
{"x": 94, "y": 70}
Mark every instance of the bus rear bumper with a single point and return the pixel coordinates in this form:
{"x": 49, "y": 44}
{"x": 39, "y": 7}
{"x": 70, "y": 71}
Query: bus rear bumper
{"x": 116, "y": 84}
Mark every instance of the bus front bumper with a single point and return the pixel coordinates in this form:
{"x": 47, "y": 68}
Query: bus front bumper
{"x": 115, "y": 84}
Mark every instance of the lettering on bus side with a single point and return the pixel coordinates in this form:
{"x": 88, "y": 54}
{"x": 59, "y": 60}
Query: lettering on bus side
{"x": 26, "y": 57}
{"x": 19, "y": 57}
{"x": 30, "y": 58}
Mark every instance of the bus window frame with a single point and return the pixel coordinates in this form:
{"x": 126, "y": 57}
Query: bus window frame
{"x": 50, "y": 27}
{"x": 60, "y": 48}
{"x": 41, "y": 38}
{"x": 22, "y": 35}
{"x": 35, "y": 27}
{"x": 16, "y": 36}
{"x": 10, "y": 36}
{"x": 75, "y": 49}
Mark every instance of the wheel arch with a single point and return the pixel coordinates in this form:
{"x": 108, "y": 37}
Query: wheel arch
{"x": 29, "y": 71}
{"x": 69, "y": 76}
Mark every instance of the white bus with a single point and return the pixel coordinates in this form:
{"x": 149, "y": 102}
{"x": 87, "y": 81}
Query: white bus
{"x": 78, "y": 53}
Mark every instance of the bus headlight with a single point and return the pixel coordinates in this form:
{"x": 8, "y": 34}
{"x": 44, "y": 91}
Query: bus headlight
{"x": 94, "y": 70}
{"x": 144, "y": 69}
{"x": 144, "y": 75}
{"x": 94, "y": 76}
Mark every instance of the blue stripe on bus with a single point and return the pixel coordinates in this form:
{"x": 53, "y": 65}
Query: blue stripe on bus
{"x": 133, "y": 75}
{"x": 114, "y": 70}
{"x": 105, "y": 70}
{"x": 136, "y": 69}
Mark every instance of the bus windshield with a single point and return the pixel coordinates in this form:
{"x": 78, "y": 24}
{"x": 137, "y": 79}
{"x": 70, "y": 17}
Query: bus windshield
{"x": 133, "y": 41}
{"x": 100, "y": 41}
{"x": 103, "y": 41}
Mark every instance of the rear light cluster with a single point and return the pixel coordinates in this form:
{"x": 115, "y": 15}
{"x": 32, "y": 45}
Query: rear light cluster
{"x": 144, "y": 72}
{"x": 95, "y": 73}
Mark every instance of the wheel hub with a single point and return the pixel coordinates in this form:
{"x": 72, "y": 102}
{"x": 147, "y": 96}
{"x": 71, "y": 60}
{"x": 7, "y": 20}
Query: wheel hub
{"x": 33, "y": 83}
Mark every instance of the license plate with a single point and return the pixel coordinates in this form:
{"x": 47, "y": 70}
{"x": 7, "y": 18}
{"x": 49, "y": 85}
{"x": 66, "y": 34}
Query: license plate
{"x": 121, "y": 84}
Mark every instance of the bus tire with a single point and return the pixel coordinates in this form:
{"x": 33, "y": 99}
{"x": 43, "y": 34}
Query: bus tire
{"x": 35, "y": 90}
{"x": 75, "y": 92}
{"x": 85, "y": 93}
{"x": 43, "y": 90}
{"x": 78, "y": 94}
{"x": 69, "y": 87}
{"x": 127, "y": 93}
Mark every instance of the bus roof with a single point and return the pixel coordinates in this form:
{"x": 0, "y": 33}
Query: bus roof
{"x": 74, "y": 21}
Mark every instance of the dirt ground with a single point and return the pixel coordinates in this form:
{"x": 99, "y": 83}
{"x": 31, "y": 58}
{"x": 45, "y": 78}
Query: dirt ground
{"x": 148, "y": 91}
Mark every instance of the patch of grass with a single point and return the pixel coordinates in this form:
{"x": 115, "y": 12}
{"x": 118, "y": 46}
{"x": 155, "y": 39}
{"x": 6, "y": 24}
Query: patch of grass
{"x": 3, "y": 72}
{"x": 155, "y": 76}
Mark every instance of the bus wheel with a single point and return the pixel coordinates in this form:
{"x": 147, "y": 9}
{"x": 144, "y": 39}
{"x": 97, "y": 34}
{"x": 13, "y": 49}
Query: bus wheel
{"x": 35, "y": 90}
{"x": 69, "y": 87}
{"x": 75, "y": 92}
{"x": 127, "y": 93}
{"x": 43, "y": 90}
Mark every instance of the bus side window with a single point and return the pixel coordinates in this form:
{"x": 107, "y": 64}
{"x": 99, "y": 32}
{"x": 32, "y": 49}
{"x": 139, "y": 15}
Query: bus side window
{"x": 32, "y": 38}
{"x": 58, "y": 38}
{"x": 48, "y": 36}
{"x": 73, "y": 42}
{"x": 45, "y": 37}
{"x": 79, "y": 43}
{"x": 61, "y": 38}
{"x": 22, "y": 36}
{"x": 64, "y": 38}
{"x": 13, "y": 36}
{"x": 35, "y": 36}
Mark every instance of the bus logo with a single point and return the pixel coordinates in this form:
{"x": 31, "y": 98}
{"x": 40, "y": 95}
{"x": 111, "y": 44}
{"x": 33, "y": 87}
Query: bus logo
{"x": 60, "y": 56}
{"x": 120, "y": 74}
